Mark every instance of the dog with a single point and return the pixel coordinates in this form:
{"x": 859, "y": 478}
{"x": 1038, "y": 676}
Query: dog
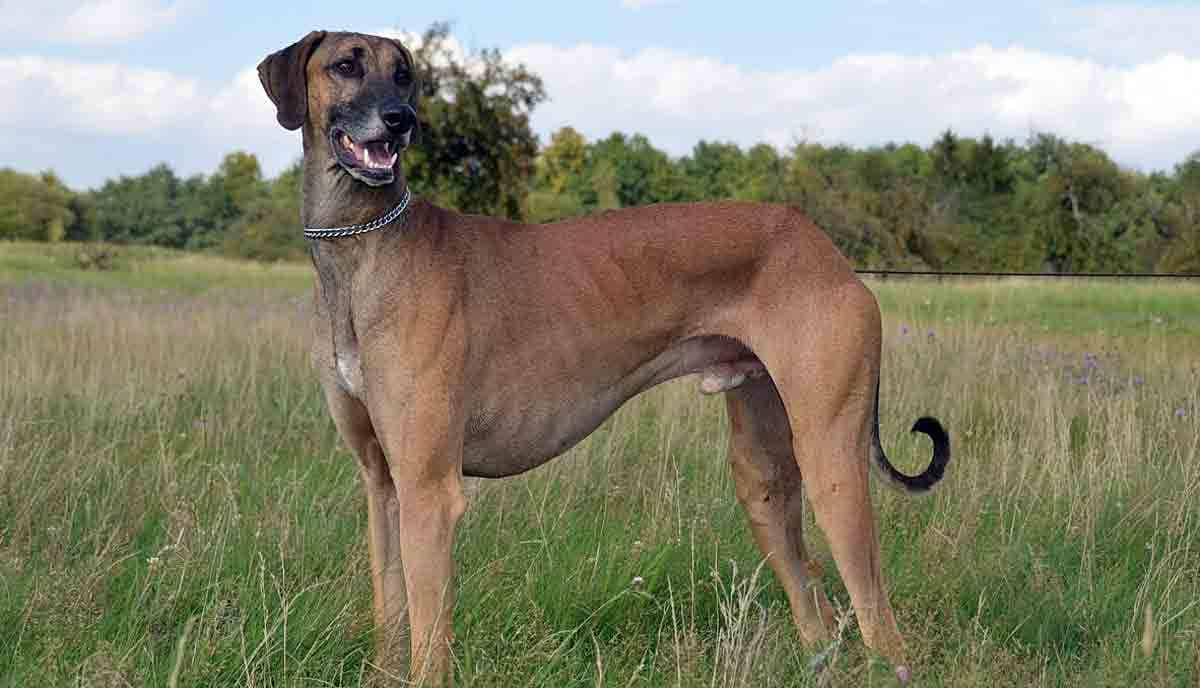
{"x": 453, "y": 345}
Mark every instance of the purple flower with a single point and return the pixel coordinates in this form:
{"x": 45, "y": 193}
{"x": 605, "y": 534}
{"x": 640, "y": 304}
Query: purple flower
{"x": 1180, "y": 412}
{"x": 904, "y": 330}
{"x": 930, "y": 333}
{"x": 1138, "y": 380}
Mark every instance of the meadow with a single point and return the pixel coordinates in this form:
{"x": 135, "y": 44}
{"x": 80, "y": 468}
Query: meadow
{"x": 175, "y": 508}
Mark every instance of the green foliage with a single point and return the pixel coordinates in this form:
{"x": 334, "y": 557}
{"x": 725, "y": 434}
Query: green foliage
{"x": 562, "y": 177}
{"x": 476, "y": 148}
{"x": 634, "y": 172}
{"x": 1080, "y": 208}
{"x": 1179, "y": 219}
{"x": 713, "y": 170}
{"x": 239, "y": 178}
{"x": 161, "y": 209}
{"x": 268, "y": 229}
{"x": 34, "y": 207}
{"x": 961, "y": 203}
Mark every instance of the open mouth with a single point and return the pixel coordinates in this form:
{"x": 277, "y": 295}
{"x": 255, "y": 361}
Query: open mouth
{"x": 372, "y": 162}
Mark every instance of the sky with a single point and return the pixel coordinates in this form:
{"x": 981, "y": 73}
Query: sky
{"x": 93, "y": 89}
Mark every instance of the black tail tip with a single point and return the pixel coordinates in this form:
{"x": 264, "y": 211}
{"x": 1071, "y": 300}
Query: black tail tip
{"x": 929, "y": 425}
{"x": 941, "y": 447}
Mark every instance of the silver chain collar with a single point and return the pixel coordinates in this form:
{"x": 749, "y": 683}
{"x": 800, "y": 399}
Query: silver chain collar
{"x": 336, "y": 232}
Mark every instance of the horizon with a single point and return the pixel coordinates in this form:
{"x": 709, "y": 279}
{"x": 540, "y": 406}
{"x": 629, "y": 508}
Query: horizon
{"x": 98, "y": 89}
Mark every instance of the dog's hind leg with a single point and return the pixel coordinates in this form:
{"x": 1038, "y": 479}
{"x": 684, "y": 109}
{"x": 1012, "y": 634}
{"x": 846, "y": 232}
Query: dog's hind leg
{"x": 383, "y": 526}
{"x": 826, "y": 374}
{"x": 768, "y": 487}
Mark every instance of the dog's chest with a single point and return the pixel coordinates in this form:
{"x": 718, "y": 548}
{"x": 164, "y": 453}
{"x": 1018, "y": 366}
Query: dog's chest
{"x": 335, "y": 270}
{"x": 349, "y": 371}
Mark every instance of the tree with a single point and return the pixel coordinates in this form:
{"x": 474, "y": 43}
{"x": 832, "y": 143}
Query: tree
{"x": 633, "y": 169}
{"x": 1079, "y": 209}
{"x": 1180, "y": 219}
{"x": 270, "y": 228}
{"x": 37, "y": 208}
{"x": 763, "y": 175}
{"x": 563, "y": 164}
{"x": 140, "y": 209}
{"x": 986, "y": 167}
{"x": 239, "y": 177}
{"x": 946, "y": 155}
{"x": 476, "y": 148}
{"x": 561, "y": 179}
{"x": 713, "y": 170}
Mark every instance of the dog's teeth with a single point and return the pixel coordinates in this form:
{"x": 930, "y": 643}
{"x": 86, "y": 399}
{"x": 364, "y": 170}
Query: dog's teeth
{"x": 393, "y": 160}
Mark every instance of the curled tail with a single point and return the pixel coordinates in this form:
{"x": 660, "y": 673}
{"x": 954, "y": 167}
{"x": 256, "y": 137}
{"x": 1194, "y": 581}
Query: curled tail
{"x": 913, "y": 484}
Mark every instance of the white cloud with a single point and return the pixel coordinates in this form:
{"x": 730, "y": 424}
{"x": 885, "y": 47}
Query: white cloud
{"x": 1144, "y": 114}
{"x": 44, "y": 102}
{"x": 89, "y": 21}
{"x": 452, "y": 47}
{"x": 1127, "y": 32}
{"x": 640, "y": 4}
{"x": 92, "y": 98}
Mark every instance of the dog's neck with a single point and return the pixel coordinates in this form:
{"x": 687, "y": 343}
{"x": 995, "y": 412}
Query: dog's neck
{"x": 332, "y": 198}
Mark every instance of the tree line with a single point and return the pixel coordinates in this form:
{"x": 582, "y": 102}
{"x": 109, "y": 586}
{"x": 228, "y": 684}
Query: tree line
{"x": 961, "y": 203}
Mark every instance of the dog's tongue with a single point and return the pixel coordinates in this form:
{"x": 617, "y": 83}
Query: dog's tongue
{"x": 376, "y": 155}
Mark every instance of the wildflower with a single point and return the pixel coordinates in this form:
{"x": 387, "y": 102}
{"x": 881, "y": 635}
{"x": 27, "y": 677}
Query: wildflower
{"x": 904, "y": 330}
{"x": 1138, "y": 380}
{"x": 1180, "y": 412}
{"x": 637, "y": 582}
{"x": 153, "y": 561}
{"x": 930, "y": 334}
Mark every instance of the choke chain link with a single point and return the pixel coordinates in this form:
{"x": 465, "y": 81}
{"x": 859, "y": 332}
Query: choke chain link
{"x": 377, "y": 223}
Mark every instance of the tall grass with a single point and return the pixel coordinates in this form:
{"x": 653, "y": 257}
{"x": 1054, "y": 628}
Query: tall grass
{"x": 175, "y": 508}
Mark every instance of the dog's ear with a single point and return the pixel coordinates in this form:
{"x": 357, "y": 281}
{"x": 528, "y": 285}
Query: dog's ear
{"x": 282, "y": 76}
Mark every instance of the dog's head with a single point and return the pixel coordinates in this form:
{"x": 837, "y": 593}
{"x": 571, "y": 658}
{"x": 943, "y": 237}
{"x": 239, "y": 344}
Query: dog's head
{"x": 353, "y": 92}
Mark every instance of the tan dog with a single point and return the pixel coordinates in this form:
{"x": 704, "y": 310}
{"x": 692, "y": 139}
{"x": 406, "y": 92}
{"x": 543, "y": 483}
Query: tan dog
{"x": 452, "y": 345}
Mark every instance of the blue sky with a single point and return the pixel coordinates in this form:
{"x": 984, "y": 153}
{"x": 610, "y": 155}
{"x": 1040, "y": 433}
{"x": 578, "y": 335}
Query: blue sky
{"x": 96, "y": 88}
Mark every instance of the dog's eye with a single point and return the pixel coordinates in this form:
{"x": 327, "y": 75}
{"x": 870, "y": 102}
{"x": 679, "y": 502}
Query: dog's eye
{"x": 346, "y": 68}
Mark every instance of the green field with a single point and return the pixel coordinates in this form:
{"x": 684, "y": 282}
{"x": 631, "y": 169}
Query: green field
{"x": 175, "y": 508}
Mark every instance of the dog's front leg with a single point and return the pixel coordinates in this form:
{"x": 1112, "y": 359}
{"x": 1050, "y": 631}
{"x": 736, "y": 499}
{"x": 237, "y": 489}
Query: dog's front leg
{"x": 422, "y": 435}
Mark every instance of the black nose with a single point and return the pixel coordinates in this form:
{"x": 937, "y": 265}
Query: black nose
{"x": 399, "y": 119}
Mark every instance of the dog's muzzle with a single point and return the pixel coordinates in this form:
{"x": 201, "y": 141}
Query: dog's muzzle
{"x": 370, "y": 154}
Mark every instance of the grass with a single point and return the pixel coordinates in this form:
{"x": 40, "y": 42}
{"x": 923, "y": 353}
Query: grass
{"x": 146, "y": 268}
{"x": 175, "y": 508}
